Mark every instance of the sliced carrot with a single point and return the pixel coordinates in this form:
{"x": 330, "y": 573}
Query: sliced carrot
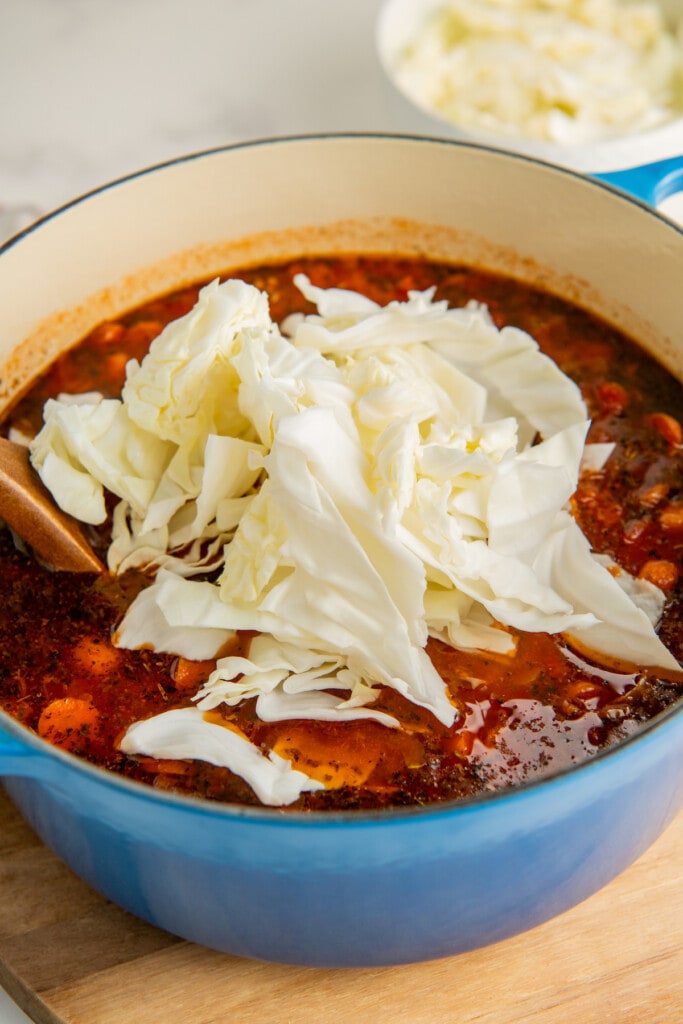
{"x": 95, "y": 657}
{"x": 671, "y": 517}
{"x": 670, "y": 429}
{"x": 189, "y": 675}
{"x": 68, "y": 722}
{"x": 659, "y": 571}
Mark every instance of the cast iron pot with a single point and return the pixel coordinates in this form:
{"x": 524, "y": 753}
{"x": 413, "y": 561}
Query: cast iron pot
{"x": 364, "y": 888}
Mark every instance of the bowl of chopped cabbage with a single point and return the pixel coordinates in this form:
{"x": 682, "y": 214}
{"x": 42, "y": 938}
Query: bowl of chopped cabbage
{"x": 593, "y": 85}
{"x": 343, "y": 887}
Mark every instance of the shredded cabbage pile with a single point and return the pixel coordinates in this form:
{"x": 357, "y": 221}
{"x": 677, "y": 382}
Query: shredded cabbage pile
{"x": 356, "y": 482}
{"x": 564, "y": 71}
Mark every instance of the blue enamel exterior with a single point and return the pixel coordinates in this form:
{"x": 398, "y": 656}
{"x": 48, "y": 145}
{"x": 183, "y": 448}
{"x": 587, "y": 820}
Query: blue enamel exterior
{"x": 359, "y": 888}
{"x": 345, "y": 890}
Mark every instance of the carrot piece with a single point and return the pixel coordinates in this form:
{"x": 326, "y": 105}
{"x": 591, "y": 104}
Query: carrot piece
{"x": 94, "y": 657}
{"x": 68, "y": 722}
{"x": 189, "y": 675}
{"x": 671, "y": 517}
{"x": 670, "y": 429}
{"x": 659, "y": 571}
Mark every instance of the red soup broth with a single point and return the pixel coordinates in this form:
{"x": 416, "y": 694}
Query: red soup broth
{"x": 520, "y": 717}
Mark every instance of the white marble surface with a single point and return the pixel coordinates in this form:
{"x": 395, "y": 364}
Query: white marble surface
{"x": 93, "y": 89}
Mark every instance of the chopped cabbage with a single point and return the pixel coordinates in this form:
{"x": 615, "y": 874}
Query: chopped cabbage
{"x": 187, "y": 733}
{"x": 371, "y": 480}
{"x": 289, "y": 682}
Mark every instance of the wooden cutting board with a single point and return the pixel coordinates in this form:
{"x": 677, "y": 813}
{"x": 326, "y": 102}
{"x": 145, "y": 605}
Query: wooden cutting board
{"x": 68, "y": 956}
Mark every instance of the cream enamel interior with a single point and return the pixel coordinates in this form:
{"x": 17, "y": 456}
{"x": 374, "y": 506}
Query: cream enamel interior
{"x": 241, "y": 205}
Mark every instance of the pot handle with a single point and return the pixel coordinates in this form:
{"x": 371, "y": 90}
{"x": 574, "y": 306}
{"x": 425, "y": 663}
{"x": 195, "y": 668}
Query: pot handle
{"x": 653, "y": 183}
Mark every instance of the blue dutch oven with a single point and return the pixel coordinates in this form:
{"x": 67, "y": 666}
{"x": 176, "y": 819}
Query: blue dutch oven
{"x": 354, "y": 888}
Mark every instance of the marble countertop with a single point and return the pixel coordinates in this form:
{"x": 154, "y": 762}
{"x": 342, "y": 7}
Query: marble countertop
{"x": 95, "y": 89}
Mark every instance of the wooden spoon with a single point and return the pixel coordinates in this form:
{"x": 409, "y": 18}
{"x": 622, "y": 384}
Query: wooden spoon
{"x": 30, "y": 510}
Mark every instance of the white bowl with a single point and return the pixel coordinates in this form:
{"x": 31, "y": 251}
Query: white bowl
{"x": 398, "y": 22}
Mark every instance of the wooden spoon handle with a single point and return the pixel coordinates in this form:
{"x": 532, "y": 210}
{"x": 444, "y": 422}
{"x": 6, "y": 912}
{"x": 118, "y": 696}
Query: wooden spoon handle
{"x": 29, "y": 508}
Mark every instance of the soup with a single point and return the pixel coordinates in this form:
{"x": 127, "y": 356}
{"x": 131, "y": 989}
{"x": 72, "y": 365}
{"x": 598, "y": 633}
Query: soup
{"x": 517, "y": 703}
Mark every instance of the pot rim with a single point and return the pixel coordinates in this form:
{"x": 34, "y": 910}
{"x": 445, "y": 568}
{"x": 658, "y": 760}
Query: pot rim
{"x": 599, "y": 180}
{"x": 10, "y": 727}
